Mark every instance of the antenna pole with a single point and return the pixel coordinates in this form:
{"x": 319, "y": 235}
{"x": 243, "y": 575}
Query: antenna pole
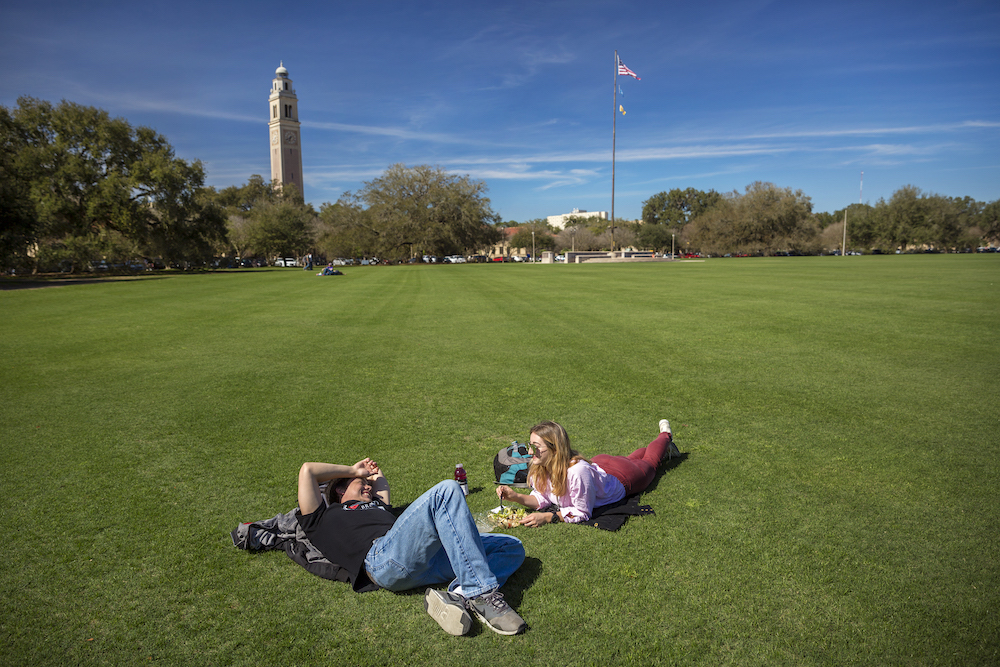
{"x": 614, "y": 127}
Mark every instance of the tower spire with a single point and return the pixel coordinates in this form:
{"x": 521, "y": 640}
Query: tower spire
{"x": 283, "y": 124}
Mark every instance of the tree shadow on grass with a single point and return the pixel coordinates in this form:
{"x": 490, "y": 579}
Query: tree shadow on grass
{"x": 7, "y": 284}
{"x": 63, "y": 280}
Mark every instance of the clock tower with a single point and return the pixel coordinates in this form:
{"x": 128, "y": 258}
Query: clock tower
{"x": 286, "y": 153}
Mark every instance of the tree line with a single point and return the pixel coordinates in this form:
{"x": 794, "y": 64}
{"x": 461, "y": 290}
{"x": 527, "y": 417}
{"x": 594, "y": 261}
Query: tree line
{"x": 766, "y": 219}
{"x": 77, "y": 185}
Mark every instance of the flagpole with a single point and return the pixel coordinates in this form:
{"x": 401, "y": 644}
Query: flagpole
{"x": 843, "y": 246}
{"x": 861, "y": 190}
{"x": 614, "y": 127}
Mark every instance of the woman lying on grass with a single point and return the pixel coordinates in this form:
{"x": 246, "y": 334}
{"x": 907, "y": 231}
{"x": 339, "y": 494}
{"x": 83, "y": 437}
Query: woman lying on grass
{"x": 571, "y": 486}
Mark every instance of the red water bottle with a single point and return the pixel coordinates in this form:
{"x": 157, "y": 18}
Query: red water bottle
{"x": 460, "y": 478}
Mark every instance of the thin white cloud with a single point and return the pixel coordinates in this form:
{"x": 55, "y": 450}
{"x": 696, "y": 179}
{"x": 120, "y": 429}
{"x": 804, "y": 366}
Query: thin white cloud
{"x": 876, "y": 131}
{"x": 142, "y": 103}
{"x": 693, "y": 176}
{"x": 632, "y": 155}
{"x": 394, "y": 132}
{"x": 134, "y": 102}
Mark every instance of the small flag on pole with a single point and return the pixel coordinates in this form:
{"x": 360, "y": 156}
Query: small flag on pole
{"x": 622, "y": 109}
{"x": 626, "y": 71}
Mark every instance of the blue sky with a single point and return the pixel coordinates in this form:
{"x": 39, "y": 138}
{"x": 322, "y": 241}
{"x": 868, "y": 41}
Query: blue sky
{"x": 521, "y": 94}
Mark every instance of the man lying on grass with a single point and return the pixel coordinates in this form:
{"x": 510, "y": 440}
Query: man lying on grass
{"x": 434, "y": 541}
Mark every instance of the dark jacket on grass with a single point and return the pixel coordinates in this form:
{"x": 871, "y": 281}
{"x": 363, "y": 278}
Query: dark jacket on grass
{"x": 283, "y": 532}
{"x": 614, "y": 516}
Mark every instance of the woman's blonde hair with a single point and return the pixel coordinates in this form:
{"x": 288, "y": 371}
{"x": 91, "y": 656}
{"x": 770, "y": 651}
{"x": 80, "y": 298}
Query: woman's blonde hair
{"x": 552, "y": 473}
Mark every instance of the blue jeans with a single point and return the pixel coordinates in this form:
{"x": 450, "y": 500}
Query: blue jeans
{"x": 436, "y": 541}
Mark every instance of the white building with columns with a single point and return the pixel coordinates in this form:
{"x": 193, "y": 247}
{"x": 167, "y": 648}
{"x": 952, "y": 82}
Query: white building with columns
{"x": 559, "y": 221}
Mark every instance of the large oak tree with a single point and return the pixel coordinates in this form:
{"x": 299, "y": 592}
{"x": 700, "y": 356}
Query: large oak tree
{"x": 95, "y": 182}
{"x": 410, "y": 210}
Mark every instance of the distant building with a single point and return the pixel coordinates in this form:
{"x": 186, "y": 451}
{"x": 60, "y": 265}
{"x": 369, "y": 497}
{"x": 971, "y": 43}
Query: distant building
{"x": 503, "y": 249}
{"x": 559, "y": 221}
{"x": 286, "y": 151}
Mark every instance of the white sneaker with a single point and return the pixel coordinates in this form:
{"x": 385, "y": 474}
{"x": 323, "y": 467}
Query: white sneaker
{"x": 672, "y": 450}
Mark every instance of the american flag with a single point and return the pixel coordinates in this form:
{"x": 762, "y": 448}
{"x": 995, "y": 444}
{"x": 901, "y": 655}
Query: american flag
{"x": 625, "y": 70}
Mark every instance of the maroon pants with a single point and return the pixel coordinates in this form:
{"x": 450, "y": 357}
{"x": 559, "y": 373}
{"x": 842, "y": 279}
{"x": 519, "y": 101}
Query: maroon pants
{"x": 636, "y": 470}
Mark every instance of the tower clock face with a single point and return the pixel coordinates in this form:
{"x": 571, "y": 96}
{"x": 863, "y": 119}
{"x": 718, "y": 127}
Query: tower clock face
{"x": 290, "y": 137}
{"x": 274, "y": 137}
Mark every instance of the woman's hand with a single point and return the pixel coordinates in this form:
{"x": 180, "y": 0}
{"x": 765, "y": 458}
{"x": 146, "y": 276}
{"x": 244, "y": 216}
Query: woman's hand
{"x": 507, "y": 493}
{"x": 536, "y": 519}
{"x": 526, "y": 499}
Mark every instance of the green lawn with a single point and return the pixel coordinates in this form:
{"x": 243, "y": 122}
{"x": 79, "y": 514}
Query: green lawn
{"x": 838, "y": 503}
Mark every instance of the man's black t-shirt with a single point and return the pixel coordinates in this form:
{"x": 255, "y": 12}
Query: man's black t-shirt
{"x": 345, "y": 532}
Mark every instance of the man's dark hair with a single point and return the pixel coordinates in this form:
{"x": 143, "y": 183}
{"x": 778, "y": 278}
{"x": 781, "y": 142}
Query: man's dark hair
{"x": 336, "y": 489}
